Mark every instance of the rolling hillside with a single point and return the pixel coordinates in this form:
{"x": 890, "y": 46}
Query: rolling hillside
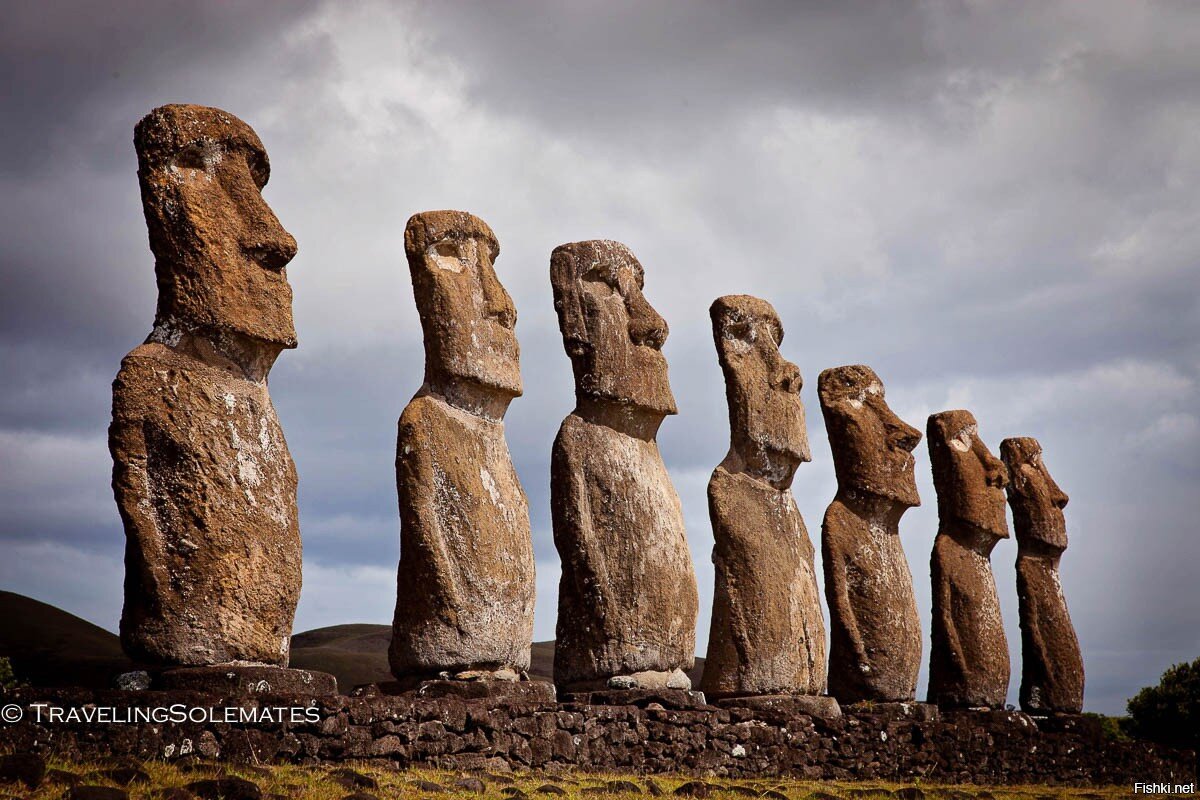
{"x": 50, "y": 647}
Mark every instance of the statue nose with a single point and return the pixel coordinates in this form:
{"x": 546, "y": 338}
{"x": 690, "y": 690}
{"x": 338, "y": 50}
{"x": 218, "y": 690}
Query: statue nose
{"x": 273, "y": 252}
{"x": 901, "y": 435}
{"x": 497, "y": 303}
{"x": 1058, "y": 497}
{"x": 997, "y": 473}
{"x": 646, "y": 327}
{"x": 788, "y": 378}
{"x": 267, "y": 242}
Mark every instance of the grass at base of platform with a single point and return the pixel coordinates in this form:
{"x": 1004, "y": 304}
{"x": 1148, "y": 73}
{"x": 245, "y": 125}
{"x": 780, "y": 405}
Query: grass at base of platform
{"x": 339, "y": 781}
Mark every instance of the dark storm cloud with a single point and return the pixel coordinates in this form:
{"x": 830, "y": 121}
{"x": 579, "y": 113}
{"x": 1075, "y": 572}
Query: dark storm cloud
{"x": 991, "y": 203}
{"x": 75, "y": 71}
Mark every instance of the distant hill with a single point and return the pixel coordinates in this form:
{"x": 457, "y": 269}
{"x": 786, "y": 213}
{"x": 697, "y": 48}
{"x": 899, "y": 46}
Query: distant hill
{"x": 357, "y": 654}
{"x": 50, "y": 647}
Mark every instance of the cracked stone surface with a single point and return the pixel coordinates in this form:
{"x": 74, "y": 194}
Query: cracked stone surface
{"x": 627, "y": 598}
{"x": 968, "y": 659}
{"x": 465, "y": 583}
{"x": 202, "y": 476}
{"x": 875, "y": 630}
{"x": 767, "y": 634}
{"x": 1052, "y": 677}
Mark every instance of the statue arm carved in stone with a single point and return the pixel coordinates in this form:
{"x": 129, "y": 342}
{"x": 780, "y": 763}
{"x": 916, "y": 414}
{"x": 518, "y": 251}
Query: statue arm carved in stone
{"x": 576, "y": 533}
{"x": 945, "y": 604}
{"x": 839, "y": 597}
{"x": 419, "y": 521}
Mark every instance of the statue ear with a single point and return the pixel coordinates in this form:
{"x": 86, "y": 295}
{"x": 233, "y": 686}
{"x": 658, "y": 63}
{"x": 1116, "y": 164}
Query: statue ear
{"x": 567, "y": 302}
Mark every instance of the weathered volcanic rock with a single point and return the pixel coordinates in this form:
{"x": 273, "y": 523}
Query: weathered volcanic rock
{"x": 767, "y": 634}
{"x": 968, "y": 661}
{"x": 201, "y": 472}
{"x": 875, "y": 631}
{"x": 465, "y": 584}
{"x": 1051, "y": 662}
{"x": 627, "y": 598}
{"x": 25, "y": 768}
{"x": 239, "y": 680}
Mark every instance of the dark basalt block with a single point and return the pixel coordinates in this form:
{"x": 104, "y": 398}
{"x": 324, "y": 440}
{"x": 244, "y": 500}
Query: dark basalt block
{"x": 238, "y": 680}
{"x": 667, "y": 698}
{"x": 819, "y": 707}
{"x": 509, "y": 692}
{"x": 915, "y": 712}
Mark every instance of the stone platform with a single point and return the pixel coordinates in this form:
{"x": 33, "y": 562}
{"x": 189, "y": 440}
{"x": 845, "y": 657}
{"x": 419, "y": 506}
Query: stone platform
{"x": 245, "y": 680}
{"x": 784, "y": 706}
{"x": 643, "y": 735}
{"x": 493, "y": 692}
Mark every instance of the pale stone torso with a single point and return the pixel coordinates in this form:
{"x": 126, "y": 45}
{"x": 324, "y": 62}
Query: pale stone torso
{"x": 1052, "y": 675}
{"x": 969, "y": 664}
{"x": 207, "y": 491}
{"x": 767, "y": 632}
{"x": 466, "y": 576}
{"x": 628, "y": 599}
{"x": 872, "y": 610}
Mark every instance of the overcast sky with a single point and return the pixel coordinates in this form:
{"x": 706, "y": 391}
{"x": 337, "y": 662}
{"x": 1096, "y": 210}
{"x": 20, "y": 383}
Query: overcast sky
{"x": 992, "y": 204}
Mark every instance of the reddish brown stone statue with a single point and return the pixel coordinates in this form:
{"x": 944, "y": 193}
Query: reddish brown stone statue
{"x": 627, "y": 599}
{"x": 875, "y": 632}
{"x": 201, "y": 472}
{"x": 968, "y": 663}
{"x": 767, "y": 634}
{"x": 465, "y": 587}
{"x": 1051, "y": 663}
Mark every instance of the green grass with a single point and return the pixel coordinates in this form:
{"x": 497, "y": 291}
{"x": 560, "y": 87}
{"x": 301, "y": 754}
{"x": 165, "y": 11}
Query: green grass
{"x": 318, "y": 784}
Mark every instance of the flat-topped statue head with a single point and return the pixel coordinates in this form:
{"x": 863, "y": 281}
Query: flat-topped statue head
{"x": 969, "y": 480}
{"x": 612, "y": 334}
{"x": 467, "y": 317}
{"x": 219, "y": 250}
{"x": 1037, "y": 501}
{"x": 872, "y": 447}
{"x": 768, "y": 436}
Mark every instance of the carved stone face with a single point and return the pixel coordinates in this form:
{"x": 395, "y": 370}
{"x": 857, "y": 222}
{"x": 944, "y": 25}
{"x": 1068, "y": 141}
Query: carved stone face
{"x": 766, "y": 417}
{"x": 467, "y": 316}
{"x": 220, "y": 253}
{"x": 1036, "y": 500}
{"x": 612, "y": 334}
{"x": 969, "y": 480}
{"x": 872, "y": 447}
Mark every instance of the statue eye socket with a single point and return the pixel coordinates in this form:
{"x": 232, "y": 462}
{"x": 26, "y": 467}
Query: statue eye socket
{"x": 447, "y": 255}
{"x": 602, "y": 273}
{"x": 741, "y": 330}
{"x": 191, "y": 157}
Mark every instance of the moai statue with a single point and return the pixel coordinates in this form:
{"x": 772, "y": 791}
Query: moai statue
{"x": 968, "y": 662}
{"x": 875, "y": 632}
{"x": 627, "y": 601}
{"x": 767, "y": 635}
{"x": 201, "y": 472}
{"x": 464, "y": 605}
{"x": 1051, "y": 663}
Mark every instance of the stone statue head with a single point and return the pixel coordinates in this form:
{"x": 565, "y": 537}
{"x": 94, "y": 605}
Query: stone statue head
{"x": 612, "y": 334}
{"x": 219, "y": 251}
{"x": 766, "y": 417}
{"x": 969, "y": 480}
{"x": 872, "y": 447}
{"x": 1037, "y": 502}
{"x": 466, "y": 315}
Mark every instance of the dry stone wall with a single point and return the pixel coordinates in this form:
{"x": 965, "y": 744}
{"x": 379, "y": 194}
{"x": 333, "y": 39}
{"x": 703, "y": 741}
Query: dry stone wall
{"x": 996, "y": 747}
